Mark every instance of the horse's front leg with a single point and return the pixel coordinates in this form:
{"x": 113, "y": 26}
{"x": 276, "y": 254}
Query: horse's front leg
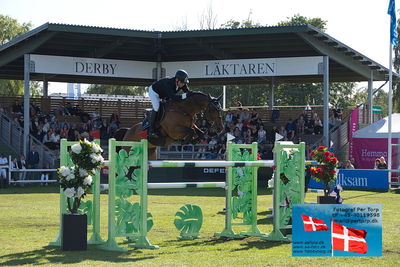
{"x": 199, "y": 132}
{"x": 189, "y": 134}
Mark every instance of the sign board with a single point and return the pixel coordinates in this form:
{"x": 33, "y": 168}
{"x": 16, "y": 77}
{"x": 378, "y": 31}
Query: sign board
{"x": 254, "y": 67}
{"x": 337, "y": 230}
{"x": 377, "y": 109}
{"x": 359, "y": 179}
{"x": 92, "y": 67}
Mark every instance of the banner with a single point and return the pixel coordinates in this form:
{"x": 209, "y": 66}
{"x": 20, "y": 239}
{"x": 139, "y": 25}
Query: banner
{"x": 353, "y": 126}
{"x": 337, "y": 230}
{"x": 367, "y": 150}
{"x": 359, "y": 179}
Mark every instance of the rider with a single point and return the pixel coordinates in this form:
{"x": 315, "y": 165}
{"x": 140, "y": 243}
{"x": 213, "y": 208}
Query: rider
{"x": 166, "y": 88}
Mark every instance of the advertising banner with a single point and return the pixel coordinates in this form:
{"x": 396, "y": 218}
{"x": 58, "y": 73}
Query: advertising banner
{"x": 337, "y": 230}
{"x": 367, "y": 150}
{"x": 353, "y": 126}
{"x": 359, "y": 179}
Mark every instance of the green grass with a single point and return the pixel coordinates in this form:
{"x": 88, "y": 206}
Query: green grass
{"x": 29, "y": 220}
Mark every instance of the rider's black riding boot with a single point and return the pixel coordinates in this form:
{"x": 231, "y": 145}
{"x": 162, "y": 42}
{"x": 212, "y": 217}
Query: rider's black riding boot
{"x": 152, "y": 118}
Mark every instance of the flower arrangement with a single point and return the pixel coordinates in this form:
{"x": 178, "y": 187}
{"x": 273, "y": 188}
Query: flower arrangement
{"x": 77, "y": 180}
{"x": 326, "y": 172}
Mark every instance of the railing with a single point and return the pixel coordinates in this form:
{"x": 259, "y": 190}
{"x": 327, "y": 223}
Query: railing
{"x": 12, "y": 135}
{"x": 176, "y": 151}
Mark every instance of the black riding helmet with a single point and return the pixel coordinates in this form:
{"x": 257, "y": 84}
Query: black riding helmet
{"x": 182, "y": 76}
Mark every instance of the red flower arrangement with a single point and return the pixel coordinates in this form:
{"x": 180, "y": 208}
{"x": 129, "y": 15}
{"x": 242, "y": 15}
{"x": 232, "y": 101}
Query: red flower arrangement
{"x": 326, "y": 172}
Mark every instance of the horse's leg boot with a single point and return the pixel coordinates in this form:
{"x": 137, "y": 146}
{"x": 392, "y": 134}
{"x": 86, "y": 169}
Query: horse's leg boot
{"x": 152, "y": 118}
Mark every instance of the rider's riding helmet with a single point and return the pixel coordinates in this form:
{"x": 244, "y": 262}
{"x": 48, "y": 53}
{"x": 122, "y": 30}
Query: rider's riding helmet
{"x": 182, "y": 76}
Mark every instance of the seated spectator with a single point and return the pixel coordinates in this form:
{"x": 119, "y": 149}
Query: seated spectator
{"x": 300, "y": 124}
{"x": 290, "y": 129}
{"x": 318, "y": 126}
{"x": 104, "y": 131}
{"x": 64, "y": 131}
{"x": 63, "y": 111}
{"x": 115, "y": 118}
{"x": 221, "y": 152}
{"x": 348, "y": 165}
{"x": 17, "y": 108}
{"x": 261, "y": 135}
{"x": 283, "y": 132}
{"x": 3, "y": 171}
{"x": 44, "y": 177}
{"x": 337, "y": 113}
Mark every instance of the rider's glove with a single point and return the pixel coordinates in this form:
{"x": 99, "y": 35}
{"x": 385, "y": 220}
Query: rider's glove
{"x": 184, "y": 96}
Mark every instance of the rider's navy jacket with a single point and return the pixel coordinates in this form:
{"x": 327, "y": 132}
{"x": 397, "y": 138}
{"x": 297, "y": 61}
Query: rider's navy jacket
{"x": 166, "y": 88}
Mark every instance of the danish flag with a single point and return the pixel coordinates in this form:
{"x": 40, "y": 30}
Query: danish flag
{"x": 313, "y": 224}
{"x": 348, "y": 239}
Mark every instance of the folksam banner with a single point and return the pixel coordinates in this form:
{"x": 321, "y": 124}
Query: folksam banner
{"x": 359, "y": 179}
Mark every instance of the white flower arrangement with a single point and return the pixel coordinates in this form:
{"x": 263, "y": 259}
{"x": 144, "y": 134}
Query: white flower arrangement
{"x": 77, "y": 180}
{"x": 271, "y": 181}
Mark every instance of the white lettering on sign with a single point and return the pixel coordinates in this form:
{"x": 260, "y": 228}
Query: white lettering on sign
{"x": 213, "y": 170}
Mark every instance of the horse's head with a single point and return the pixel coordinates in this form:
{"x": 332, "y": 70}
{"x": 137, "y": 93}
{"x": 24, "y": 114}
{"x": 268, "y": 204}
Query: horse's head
{"x": 212, "y": 113}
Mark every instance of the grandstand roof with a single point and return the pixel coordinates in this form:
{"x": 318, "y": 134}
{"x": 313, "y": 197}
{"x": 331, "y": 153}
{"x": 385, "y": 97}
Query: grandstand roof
{"x": 345, "y": 63}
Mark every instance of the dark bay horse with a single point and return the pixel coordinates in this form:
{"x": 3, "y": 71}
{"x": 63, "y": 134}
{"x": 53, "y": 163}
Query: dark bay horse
{"x": 178, "y": 123}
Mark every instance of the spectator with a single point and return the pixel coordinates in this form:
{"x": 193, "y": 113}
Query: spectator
{"x": 376, "y": 164}
{"x": 104, "y": 131}
{"x": 318, "y": 126}
{"x": 32, "y": 160}
{"x": 17, "y": 108}
{"x": 22, "y": 166}
{"x": 15, "y": 166}
{"x": 337, "y": 113}
{"x": 221, "y": 152}
{"x": 348, "y": 165}
{"x": 261, "y": 135}
{"x": 283, "y": 132}
{"x": 3, "y": 171}
{"x": 64, "y": 131}
{"x": 382, "y": 163}
{"x": 45, "y": 175}
{"x": 290, "y": 129}
{"x": 300, "y": 125}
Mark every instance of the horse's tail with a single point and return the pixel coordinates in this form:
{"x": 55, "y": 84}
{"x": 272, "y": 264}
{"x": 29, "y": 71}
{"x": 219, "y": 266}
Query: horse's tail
{"x": 120, "y": 133}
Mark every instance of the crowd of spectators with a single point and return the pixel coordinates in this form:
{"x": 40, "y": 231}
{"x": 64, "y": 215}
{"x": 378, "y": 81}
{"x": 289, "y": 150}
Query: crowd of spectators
{"x": 245, "y": 125}
{"x": 47, "y": 128}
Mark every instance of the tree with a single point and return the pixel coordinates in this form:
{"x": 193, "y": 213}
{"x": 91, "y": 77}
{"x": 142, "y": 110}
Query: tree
{"x": 116, "y": 90}
{"x": 207, "y": 19}
{"x": 9, "y": 29}
{"x": 297, "y": 19}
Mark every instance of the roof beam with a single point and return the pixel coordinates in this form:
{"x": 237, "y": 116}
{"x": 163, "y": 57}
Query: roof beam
{"x": 25, "y": 48}
{"x": 341, "y": 58}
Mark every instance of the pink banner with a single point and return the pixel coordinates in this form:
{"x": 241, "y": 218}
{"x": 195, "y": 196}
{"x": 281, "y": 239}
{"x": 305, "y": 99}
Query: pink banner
{"x": 353, "y": 126}
{"x": 366, "y": 150}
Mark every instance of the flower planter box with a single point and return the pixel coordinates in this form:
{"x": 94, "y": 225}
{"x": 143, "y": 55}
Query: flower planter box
{"x": 326, "y": 200}
{"x": 74, "y": 232}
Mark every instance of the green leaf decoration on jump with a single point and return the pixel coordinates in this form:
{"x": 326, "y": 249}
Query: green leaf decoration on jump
{"x": 136, "y": 220}
{"x": 87, "y": 208}
{"x": 123, "y": 187}
{"x": 189, "y": 221}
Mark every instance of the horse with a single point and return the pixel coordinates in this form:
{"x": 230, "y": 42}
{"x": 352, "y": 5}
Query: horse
{"x": 178, "y": 123}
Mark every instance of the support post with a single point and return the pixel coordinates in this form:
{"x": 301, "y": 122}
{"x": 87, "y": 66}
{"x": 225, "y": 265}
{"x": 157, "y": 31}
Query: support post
{"x": 326, "y": 102}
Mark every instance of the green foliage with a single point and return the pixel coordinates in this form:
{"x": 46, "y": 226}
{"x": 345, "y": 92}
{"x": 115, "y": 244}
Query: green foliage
{"x": 297, "y": 19}
{"x": 116, "y": 90}
{"x": 9, "y": 29}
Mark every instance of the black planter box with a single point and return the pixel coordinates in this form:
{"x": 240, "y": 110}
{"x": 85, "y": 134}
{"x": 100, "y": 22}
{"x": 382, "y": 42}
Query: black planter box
{"x": 326, "y": 200}
{"x": 74, "y": 232}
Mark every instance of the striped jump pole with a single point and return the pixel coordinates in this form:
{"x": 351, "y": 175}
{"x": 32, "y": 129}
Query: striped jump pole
{"x": 178, "y": 185}
{"x": 210, "y": 164}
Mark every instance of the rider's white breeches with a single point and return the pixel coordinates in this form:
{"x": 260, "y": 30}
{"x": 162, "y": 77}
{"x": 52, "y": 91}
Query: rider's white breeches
{"x": 155, "y": 99}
